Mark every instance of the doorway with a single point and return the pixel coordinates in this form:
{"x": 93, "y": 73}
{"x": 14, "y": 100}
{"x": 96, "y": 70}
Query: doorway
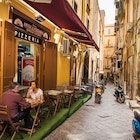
{"x": 86, "y": 68}
{"x": 28, "y": 62}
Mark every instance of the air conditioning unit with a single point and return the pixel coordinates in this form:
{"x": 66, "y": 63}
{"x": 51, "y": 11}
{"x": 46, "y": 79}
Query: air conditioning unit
{"x": 65, "y": 47}
{"x": 41, "y": 1}
{"x": 129, "y": 27}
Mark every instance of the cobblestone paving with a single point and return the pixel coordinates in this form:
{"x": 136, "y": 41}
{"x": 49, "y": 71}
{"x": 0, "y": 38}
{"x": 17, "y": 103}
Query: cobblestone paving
{"x": 106, "y": 121}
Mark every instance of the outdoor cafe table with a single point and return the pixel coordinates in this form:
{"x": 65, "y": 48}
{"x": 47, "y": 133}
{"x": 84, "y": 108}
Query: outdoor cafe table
{"x": 33, "y": 106}
{"x": 55, "y": 96}
{"x": 70, "y": 93}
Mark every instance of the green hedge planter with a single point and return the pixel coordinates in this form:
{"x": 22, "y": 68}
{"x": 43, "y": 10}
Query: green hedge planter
{"x": 51, "y": 123}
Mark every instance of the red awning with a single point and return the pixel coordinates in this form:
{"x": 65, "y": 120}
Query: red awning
{"x": 62, "y": 15}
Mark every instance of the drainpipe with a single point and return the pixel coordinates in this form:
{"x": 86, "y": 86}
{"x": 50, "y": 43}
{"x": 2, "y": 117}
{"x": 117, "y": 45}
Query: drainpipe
{"x": 82, "y": 15}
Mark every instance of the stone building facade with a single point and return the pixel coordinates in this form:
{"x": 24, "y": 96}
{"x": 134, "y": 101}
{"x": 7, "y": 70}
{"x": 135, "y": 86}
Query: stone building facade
{"x": 109, "y": 51}
{"x": 93, "y": 18}
{"x": 128, "y": 48}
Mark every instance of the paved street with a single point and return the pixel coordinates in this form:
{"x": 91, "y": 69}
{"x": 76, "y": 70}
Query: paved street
{"x": 106, "y": 121}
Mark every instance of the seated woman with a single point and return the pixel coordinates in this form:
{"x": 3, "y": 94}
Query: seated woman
{"x": 36, "y": 93}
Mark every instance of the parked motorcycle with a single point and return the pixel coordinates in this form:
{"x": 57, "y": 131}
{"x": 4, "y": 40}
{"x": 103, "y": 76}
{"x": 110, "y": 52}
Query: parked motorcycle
{"x": 119, "y": 94}
{"x": 98, "y": 93}
{"x": 136, "y": 124}
{"x": 102, "y": 83}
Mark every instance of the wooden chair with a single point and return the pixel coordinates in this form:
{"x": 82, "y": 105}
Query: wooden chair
{"x": 47, "y": 107}
{"x": 70, "y": 88}
{"x": 7, "y": 121}
{"x": 70, "y": 93}
{"x": 49, "y": 104}
{"x": 76, "y": 92}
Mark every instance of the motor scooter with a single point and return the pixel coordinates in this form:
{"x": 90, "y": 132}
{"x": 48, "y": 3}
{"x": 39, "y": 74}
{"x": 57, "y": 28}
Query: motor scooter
{"x": 98, "y": 93}
{"x": 136, "y": 124}
{"x": 102, "y": 83}
{"x": 119, "y": 94}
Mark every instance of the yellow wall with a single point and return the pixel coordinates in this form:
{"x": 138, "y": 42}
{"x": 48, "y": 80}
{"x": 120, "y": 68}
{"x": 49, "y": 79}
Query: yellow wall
{"x": 63, "y": 63}
{"x": 4, "y": 11}
{"x": 63, "y": 69}
{"x": 3, "y": 15}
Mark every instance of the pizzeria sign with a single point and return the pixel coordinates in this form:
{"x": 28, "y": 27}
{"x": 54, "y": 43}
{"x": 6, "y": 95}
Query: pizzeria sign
{"x": 27, "y": 37}
{"x": 29, "y": 26}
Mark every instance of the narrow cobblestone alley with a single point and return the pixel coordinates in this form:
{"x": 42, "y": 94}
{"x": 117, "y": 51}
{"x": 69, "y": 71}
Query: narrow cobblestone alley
{"x": 106, "y": 121}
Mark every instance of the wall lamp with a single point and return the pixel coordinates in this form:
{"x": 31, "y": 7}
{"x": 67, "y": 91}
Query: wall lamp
{"x": 39, "y": 18}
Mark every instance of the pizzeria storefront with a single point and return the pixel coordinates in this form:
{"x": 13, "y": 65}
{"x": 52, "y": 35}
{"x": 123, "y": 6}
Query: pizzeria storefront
{"x": 29, "y": 37}
{"x": 27, "y": 44}
{"x": 26, "y": 48}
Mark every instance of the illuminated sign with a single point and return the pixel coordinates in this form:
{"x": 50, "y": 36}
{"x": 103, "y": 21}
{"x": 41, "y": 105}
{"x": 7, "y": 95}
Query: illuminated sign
{"x": 27, "y": 37}
{"x": 29, "y": 26}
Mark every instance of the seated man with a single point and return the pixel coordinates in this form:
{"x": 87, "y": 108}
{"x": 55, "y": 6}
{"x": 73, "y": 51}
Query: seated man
{"x": 19, "y": 109}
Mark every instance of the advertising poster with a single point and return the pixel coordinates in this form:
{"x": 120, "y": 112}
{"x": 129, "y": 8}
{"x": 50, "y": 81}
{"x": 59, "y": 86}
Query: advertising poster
{"x": 27, "y": 70}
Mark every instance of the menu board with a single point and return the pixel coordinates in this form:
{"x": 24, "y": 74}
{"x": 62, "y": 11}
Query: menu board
{"x": 27, "y": 70}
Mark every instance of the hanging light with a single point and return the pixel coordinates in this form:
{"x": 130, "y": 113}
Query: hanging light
{"x": 41, "y": 1}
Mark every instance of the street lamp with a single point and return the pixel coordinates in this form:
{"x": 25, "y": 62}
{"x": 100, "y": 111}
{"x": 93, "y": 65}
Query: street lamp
{"x": 98, "y": 56}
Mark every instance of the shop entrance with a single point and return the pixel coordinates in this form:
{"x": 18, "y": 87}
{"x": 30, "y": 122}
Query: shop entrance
{"x": 86, "y": 68}
{"x": 28, "y": 62}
